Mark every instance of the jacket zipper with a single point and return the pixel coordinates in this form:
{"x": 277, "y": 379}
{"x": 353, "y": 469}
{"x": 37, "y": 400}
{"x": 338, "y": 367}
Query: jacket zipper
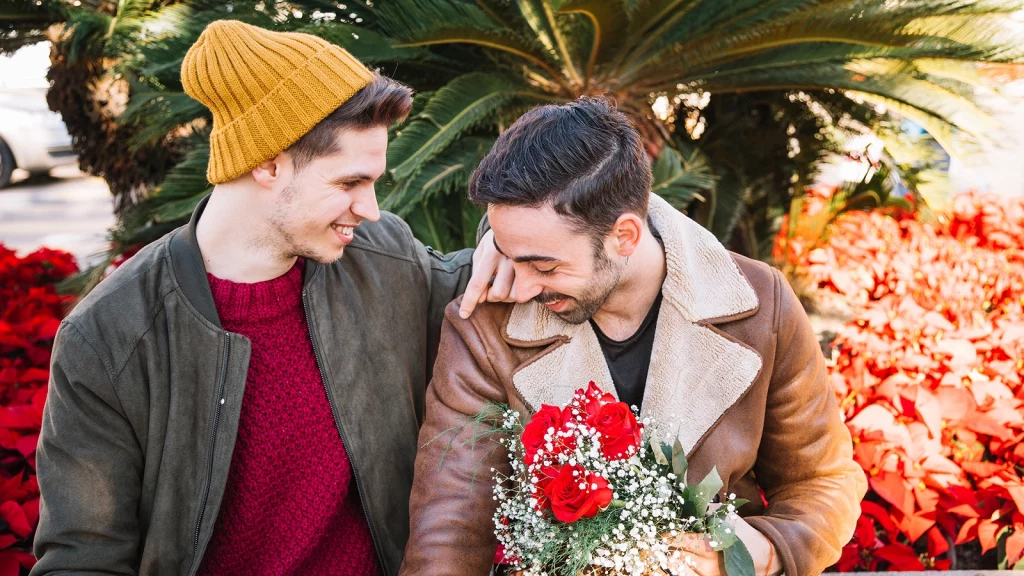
{"x": 341, "y": 433}
{"x": 213, "y": 445}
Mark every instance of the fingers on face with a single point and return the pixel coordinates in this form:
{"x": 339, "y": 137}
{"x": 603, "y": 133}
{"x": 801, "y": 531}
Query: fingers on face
{"x": 502, "y": 285}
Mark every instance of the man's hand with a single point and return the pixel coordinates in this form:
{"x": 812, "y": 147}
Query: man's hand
{"x": 693, "y": 554}
{"x": 493, "y": 278}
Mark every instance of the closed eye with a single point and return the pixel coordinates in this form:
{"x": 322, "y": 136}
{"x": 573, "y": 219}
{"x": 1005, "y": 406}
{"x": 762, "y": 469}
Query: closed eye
{"x": 547, "y": 272}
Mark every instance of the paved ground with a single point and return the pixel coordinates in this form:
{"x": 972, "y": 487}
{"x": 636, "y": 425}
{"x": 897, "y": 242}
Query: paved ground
{"x": 69, "y": 211}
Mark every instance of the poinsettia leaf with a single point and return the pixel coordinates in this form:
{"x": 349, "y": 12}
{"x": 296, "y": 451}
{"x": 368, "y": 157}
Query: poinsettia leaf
{"x": 738, "y": 561}
{"x": 900, "y": 557}
{"x": 968, "y": 532}
{"x": 937, "y": 543}
{"x": 987, "y": 531}
{"x": 1017, "y": 493}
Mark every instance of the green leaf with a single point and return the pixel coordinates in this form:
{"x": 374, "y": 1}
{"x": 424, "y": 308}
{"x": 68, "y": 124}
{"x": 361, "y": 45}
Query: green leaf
{"x": 722, "y": 531}
{"x": 448, "y": 172}
{"x": 679, "y": 464}
{"x": 462, "y": 104}
{"x": 541, "y": 19}
{"x": 738, "y": 561}
{"x": 662, "y": 453}
{"x": 705, "y": 492}
{"x": 370, "y": 46}
{"x": 609, "y": 24}
{"x": 678, "y": 178}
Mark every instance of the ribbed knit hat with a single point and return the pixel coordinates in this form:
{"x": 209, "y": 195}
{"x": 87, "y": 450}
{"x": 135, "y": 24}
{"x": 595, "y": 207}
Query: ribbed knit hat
{"x": 265, "y": 89}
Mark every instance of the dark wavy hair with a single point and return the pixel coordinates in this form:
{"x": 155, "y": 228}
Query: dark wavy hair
{"x": 585, "y": 158}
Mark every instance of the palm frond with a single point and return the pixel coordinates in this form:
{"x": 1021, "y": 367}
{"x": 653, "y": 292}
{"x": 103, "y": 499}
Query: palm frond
{"x": 448, "y": 172}
{"x": 183, "y": 188}
{"x": 726, "y": 205}
{"x": 459, "y": 106}
{"x": 370, "y": 46}
{"x": 608, "y": 21}
{"x": 541, "y": 19}
{"x": 680, "y": 176}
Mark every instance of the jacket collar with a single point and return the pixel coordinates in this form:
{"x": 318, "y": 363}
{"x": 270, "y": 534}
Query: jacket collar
{"x": 697, "y": 372}
{"x": 190, "y": 271}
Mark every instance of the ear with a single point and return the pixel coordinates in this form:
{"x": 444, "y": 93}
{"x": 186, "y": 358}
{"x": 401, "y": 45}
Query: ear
{"x": 627, "y": 232}
{"x": 269, "y": 173}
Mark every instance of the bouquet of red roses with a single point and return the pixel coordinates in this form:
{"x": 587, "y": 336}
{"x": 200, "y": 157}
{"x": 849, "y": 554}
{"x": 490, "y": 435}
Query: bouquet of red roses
{"x": 591, "y": 493}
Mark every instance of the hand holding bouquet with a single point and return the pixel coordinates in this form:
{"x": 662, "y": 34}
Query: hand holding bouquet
{"x": 590, "y": 492}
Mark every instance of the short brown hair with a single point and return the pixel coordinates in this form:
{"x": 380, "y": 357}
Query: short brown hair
{"x": 382, "y": 102}
{"x": 585, "y": 157}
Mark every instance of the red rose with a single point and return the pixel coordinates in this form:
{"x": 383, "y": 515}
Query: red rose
{"x": 545, "y": 419}
{"x": 620, "y": 432}
{"x": 544, "y": 477}
{"x": 577, "y": 493}
{"x": 595, "y": 399}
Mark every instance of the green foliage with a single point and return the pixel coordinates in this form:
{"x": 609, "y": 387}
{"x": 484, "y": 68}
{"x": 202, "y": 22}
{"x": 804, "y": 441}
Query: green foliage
{"x": 771, "y": 67}
{"x": 24, "y": 22}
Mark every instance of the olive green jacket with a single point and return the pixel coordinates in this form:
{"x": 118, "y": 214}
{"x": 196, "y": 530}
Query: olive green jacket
{"x": 146, "y": 387}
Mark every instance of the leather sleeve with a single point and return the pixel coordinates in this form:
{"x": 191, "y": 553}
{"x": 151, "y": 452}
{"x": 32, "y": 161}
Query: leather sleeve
{"x": 451, "y": 508}
{"x": 805, "y": 462}
{"x": 447, "y": 275}
{"x": 90, "y": 467}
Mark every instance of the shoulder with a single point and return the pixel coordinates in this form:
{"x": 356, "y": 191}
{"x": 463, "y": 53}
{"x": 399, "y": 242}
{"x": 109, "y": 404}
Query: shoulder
{"x": 777, "y": 301}
{"x": 388, "y": 236}
{"x": 121, "y": 309}
{"x": 488, "y": 318}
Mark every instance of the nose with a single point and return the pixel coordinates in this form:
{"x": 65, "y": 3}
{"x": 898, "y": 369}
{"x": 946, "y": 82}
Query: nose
{"x": 526, "y": 286}
{"x": 365, "y": 205}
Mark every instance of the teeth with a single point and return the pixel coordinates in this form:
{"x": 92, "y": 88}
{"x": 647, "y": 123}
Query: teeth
{"x": 345, "y": 230}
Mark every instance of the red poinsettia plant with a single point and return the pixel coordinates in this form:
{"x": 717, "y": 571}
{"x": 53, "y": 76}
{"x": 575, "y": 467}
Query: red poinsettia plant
{"x": 928, "y": 373}
{"x": 30, "y": 312}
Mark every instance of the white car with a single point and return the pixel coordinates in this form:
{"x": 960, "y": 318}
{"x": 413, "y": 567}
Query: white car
{"x": 32, "y": 137}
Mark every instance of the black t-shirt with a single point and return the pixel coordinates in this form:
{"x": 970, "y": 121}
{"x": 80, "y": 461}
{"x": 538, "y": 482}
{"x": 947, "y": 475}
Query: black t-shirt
{"x": 629, "y": 360}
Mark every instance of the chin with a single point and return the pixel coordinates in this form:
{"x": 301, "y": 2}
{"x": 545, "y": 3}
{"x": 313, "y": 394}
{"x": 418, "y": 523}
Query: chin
{"x": 326, "y": 256}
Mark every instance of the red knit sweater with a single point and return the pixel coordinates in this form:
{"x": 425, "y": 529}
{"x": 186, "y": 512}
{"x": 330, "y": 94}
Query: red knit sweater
{"x": 291, "y": 505}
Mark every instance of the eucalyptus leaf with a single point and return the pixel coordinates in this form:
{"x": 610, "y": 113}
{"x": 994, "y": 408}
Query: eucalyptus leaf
{"x": 738, "y": 561}
{"x": 661, "y": 452}
{"x": 679, "y": 464}
{"x": 705, "y": 492}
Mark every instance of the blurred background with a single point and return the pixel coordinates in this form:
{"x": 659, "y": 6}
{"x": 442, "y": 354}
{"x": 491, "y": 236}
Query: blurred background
{"x": 873, "y": 150}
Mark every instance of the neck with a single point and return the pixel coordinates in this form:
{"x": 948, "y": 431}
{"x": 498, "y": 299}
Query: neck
{"x": 234, "y": 238}
{"x": 624, "y": 311}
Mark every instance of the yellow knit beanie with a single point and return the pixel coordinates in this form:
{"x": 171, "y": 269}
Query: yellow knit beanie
{"x": 265, "y": 90}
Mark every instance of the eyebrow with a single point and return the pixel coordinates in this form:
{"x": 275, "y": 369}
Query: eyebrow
{"x": 528, "y": 258}
{"x": 350, "y": 177}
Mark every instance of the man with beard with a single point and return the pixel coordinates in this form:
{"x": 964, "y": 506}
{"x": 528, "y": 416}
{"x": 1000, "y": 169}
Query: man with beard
{"x": 616, "y": 286}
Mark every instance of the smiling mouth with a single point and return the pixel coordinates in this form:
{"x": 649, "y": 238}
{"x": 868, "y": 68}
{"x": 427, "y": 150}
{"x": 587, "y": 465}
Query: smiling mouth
{"x": 344, "y": 231}
{"x": 556, "y": 305}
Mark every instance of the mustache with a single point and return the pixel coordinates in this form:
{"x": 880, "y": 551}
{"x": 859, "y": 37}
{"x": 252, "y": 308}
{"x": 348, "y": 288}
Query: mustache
{"x": 549, "y": 297}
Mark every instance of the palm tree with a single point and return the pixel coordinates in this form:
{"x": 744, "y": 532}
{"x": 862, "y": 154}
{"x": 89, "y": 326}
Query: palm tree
{"x": 478, "y": 64}
{"x": 91, "y": 92}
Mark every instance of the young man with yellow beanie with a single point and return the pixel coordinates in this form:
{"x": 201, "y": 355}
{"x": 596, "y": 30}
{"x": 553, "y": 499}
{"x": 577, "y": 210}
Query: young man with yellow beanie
{"x": 238, "y": 398}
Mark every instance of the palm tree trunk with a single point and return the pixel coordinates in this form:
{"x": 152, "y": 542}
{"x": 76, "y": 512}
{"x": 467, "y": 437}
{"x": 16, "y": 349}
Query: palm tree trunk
{"x": 90, "y": 101}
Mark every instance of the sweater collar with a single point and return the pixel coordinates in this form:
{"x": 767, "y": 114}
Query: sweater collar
{"x": 241, "y": 303}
